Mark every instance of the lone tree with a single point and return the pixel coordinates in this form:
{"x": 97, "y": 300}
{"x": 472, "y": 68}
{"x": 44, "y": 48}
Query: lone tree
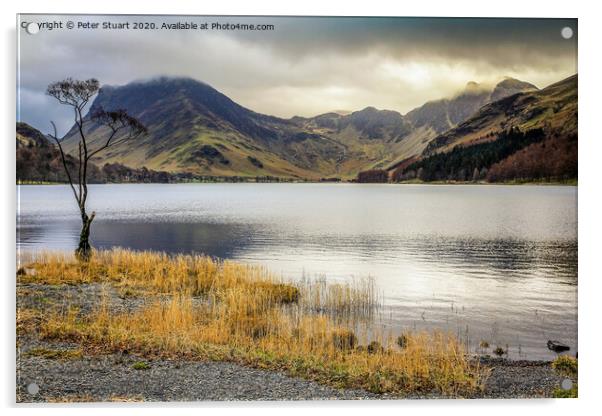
{"x": 120, "y": 127}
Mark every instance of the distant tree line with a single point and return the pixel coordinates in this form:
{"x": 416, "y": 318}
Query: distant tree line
{"x": 552, "y": 159}
{"x": 466, "y": 163}
{"x": 42, "y": 163}
{"x": 373, "y": 176}
{"x": 536, "y": 154}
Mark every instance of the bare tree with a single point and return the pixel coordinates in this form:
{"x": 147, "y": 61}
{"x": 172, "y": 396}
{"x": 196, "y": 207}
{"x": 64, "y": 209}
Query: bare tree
{"x": 120, "y": 127}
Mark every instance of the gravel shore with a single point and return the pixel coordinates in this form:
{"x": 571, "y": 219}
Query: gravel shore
{"x": 520, "y": 379}
{"x": 114, "y": 377}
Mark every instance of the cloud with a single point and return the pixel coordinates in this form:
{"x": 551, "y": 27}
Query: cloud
{"x": 305, "y": 66}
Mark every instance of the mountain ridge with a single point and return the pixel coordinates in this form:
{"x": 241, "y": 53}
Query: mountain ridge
{"x": 194, "y": 128}
{"x": 526, "y": 136}
{"x": 554, "y": 105}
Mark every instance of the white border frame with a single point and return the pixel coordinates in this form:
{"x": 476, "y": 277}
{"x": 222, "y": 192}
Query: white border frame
{"x": 590, "y": 150}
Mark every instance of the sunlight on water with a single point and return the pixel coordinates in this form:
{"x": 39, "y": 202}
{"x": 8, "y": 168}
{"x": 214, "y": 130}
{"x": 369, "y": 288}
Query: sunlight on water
{"x": 494, "y": 263}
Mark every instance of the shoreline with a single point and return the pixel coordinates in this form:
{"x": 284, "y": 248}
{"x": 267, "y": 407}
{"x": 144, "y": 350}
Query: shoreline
{"x": 509, "y": 183}
{"x": 70, "y": 371}
{"x": 65, "y": 344}
{"x": 121, "y": 377}
{"x": 66, "y": 372}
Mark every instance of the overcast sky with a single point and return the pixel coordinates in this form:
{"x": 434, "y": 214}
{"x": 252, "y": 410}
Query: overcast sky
{"x": 305, "y": 66}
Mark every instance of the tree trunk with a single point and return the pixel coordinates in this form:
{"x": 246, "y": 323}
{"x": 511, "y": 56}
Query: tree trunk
{"x": 84, "y": 249}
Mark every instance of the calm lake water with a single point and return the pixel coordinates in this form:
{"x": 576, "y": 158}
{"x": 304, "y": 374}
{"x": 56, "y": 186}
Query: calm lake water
{"x": 494, "y": 263}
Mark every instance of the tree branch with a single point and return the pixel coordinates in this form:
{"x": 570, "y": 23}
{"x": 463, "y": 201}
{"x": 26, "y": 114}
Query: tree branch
{"x": 107, "y": 144}
{"x": 117, "y": 120}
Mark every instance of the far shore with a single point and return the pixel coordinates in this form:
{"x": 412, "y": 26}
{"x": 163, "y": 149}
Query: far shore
{"x": 568, "y": 182}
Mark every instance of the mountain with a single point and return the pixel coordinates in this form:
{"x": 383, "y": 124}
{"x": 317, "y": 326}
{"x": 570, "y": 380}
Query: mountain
{"x": 554, "y": 107}
{"x": 526, "y": 136}
{"x": 379, "y": 138}
{"x": 194, "y": 128}
{"x": 508, "y": 87}
{"x": 441, "y": 115}
{"x": 371, "y": 137}
{"x": 368, "y": 124}
{"x": 39, "y": 160}
{"x": 30, "y": 137}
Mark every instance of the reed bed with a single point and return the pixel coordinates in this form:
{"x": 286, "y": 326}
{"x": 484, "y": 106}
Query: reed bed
{"x": 254, "y": 317}
{"x": 357, "y": 298}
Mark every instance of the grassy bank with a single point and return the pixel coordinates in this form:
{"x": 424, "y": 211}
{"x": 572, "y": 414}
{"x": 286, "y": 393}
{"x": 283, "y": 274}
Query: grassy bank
{"x": 201, "y": 308}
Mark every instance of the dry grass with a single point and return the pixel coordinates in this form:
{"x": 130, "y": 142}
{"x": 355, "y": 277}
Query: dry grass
{"x": 356, "y": 298}
{"x": 71, "y": 398}
{"x": 27, "y": 320}
{"x": 252, "y": 317}
{"x": 87, "y": 398}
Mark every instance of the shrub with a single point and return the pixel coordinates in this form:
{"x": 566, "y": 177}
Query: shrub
{"x": 141, "y": 365}
{"x": 560, "y": 393}
{"x": 566, "y": 365}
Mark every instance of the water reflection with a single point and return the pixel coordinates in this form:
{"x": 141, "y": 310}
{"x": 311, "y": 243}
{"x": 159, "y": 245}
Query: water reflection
{"x": 477, "y": 257}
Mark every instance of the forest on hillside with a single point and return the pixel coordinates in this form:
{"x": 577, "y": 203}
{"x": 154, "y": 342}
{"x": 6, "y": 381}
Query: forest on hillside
{"x": 511, "y": 155}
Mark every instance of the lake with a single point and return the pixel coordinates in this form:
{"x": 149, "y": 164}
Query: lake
{"x": 488, "y": 262}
